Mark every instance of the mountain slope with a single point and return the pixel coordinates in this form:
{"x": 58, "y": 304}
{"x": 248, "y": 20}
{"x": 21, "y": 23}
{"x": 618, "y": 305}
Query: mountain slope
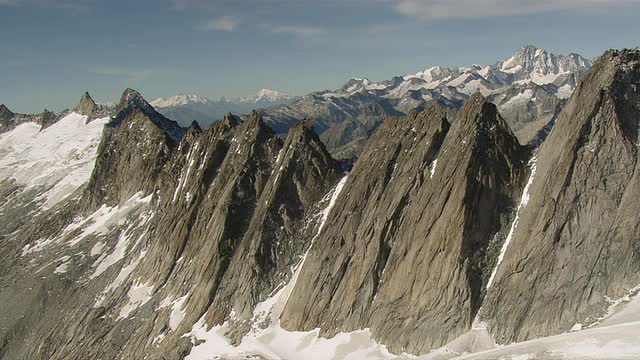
{"x": 584, "y": 221}
{"x": 369, "y": 270}
{"x": 141, "y": 238}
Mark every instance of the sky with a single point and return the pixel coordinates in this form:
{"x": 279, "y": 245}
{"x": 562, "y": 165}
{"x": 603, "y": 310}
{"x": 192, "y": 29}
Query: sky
{"x": 51, "y": 51}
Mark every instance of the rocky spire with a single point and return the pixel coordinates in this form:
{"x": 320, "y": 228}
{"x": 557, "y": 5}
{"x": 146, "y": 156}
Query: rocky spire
{"x": 5, "y": 113}
{"x": 424, "y": 200}
{"x": 132, "y": 103}
{"x": 575, "y": 244}
{"x": 87, "y": 106}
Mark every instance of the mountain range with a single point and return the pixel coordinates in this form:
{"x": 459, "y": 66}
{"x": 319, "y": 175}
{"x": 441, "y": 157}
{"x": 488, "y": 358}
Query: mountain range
{"x": 449, "y": 233}
{"x": 530, "y": 88}
{"x": 187, "y": 108}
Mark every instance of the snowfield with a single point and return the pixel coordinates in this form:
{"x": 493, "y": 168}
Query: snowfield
{"x": 59, "y": 158}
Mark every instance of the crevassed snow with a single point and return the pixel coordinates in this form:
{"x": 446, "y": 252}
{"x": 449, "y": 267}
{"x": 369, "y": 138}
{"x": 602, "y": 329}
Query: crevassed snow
{"x": 60, "y": 157}
{"x": 524, "y": 199}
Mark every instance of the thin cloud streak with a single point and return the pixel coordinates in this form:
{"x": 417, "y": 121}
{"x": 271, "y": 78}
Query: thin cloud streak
{"x": 127, "y": 75}
{"x": 223, "y": 23}
{"x": 434, "y": 9}
{"x": 295, "y": 30}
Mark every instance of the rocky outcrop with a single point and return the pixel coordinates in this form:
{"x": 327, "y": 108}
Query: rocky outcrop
{"x": 575, "y": 246}
{"x": 93, "y": 111}
{"x": 5, "y": 117}
{"x": 9, "y": 120}
{"x": 404, "y": 251}
{"x": 213, "y": 224}
{"x": 135, "y": 146}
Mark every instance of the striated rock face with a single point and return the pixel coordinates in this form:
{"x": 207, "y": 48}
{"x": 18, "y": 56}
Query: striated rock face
{"x": 445, "y": 224}
{"x": 405, "y": 249}
{"x": 206, "y": 226}
{"x": 93, "y": 111}
{"x": 136, "y": 145}
{"x": 576, "y": 243}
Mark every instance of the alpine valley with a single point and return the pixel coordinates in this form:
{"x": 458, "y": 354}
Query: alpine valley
{"x": 485, "y": 212}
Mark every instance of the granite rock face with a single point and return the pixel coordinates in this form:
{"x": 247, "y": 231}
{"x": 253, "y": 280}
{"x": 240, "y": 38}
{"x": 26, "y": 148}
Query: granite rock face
{"x": 424, "y": 202}
{"x": 131, "y": 159}
{"x": 444, "y": 222}
{"x": 207, "y": 224}
{"x": 576, "y": 241}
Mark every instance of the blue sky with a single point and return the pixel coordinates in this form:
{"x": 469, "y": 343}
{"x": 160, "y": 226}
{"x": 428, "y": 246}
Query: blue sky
{"x": 53, "y": 50}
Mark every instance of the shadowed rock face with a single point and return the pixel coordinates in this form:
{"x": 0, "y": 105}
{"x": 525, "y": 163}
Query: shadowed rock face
{"x": 577, "y": 239}
{"x": 403, "y": 252}
{"x": 136, "y": 144}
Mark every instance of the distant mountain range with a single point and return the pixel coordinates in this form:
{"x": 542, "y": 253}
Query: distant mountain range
{"x": 186, "y": 108}
{"x": 530, "y": 88}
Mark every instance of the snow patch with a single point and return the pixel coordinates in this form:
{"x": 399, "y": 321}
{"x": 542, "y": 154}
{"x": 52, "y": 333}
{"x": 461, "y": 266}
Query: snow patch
{"x": 60, "y": 158}
{"x": 524, "y": 199}
{"x": 138, "y": 295}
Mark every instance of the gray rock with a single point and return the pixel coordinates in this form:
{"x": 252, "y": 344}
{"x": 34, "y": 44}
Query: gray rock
{"x": 576, "y": 241}
{"x": 404, "y": 250}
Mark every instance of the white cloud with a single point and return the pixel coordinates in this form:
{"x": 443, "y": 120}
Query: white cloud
{"x": 223, "y": 23}
{"x": 489, "y": 8}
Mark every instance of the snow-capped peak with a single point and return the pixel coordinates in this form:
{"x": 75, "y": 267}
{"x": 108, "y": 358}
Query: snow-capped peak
{"x": 179, "y": 100}
{"x": 271, "y": 94}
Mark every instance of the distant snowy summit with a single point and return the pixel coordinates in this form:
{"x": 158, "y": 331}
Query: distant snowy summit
{"x": 179, "y": 100}
{"x": 528, "y": 65}
{"x": 186, "y": 108}
{"x": 267, "y": 95}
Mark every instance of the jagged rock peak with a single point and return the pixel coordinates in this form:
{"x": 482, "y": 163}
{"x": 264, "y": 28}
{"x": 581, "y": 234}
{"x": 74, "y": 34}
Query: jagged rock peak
{"x": 87, "y": 105}
{"x": 230, "y": 120}
{"x": 626, "y": 59}
{"x": 5, "y": 112}
{"x": 132, "y": 98}
{"x": 132, "y": 101}
{"x": 302, "y": 134}
{"x": 195, "y": 126}
{"x": 255, "y": 120}
{"x": 475, "y": 108}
